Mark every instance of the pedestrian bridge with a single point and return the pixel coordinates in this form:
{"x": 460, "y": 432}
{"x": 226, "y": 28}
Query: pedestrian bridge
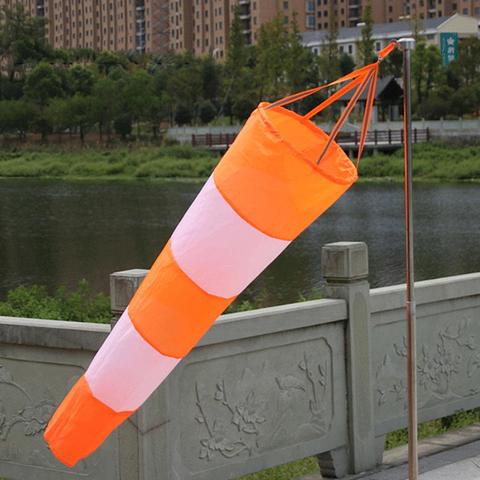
{"x": 378, "y": 140}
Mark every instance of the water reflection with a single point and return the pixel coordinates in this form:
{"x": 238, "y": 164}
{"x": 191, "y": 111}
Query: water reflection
{"x": 55, "y": 233}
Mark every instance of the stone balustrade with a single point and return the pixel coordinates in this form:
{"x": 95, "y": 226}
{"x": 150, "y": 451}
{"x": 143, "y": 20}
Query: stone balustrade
{"x": 264, "y": 387}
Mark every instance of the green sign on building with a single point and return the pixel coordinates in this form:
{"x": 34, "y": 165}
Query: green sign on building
{"x": 449, "y": 47}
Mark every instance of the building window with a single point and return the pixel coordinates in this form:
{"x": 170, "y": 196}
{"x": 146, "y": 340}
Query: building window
{"x": 285, "y": 5}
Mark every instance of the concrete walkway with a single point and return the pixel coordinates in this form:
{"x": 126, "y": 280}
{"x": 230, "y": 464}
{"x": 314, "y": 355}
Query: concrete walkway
{"x": 452, "y": 456}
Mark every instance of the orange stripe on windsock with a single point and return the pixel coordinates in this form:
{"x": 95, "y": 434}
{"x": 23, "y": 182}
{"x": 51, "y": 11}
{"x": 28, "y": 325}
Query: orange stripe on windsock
{"x": 273, "y": 181}
{"x": 80, "y": 424}
{"x": 170, "y": 310}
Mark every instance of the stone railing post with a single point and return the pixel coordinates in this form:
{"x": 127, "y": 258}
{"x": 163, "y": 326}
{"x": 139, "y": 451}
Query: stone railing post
{"x": 345, "y": 268}
{"x": 122, "y": 287}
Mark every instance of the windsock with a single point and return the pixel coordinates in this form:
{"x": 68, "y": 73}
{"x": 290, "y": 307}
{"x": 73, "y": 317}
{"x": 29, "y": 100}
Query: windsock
{"x": 279, "y": 175}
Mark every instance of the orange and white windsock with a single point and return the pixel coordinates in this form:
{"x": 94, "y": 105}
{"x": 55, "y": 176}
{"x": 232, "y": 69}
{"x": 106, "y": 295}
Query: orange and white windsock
{"x": 279, "y": 175}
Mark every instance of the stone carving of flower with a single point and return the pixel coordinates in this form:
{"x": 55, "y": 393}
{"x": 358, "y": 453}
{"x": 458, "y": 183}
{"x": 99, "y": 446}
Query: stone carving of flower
{"x": 247, "y": 415}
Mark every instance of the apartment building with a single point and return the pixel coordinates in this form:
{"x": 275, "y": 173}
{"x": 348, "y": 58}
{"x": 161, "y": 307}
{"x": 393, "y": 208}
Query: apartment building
{"x": 442, "y": 8}
{"x": 203, "y": 26}
{"x": 118, "y": 25}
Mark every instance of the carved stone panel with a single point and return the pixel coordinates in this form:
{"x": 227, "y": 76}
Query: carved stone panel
{"x": 30, "y": 390}
{"x": 448, "y": 363}
{"x": 243, "y": 405}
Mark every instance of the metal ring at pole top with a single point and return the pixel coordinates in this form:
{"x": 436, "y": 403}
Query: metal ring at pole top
{"x": 407, "y": 43}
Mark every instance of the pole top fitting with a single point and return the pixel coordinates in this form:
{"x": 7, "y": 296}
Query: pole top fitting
{"x": 407, "y": 43}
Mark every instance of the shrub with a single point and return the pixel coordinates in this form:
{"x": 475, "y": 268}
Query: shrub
{"x": 80, "y": 305}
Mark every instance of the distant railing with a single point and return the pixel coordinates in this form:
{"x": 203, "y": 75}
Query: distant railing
{"x": 375, "y": 139}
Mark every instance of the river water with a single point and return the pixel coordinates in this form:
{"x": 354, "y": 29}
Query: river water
{"x": 56, "y": 233}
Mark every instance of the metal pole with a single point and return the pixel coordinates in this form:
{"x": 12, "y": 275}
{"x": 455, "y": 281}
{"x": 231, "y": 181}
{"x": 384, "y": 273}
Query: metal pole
{"x": 407, "y": 45}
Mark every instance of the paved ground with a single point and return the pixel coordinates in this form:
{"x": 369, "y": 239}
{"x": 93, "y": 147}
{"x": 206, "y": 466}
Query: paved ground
{"x": 453, "y": 456}
{"x": 460, "y": 463}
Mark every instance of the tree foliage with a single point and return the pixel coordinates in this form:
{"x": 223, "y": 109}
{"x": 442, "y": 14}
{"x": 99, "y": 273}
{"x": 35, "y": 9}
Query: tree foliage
{"x": 44, "y": 90}
{"x": 22, "y": 40}
{"x": 366, "y": 44}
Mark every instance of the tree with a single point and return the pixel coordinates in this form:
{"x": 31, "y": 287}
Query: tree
{"x": 393, "y": 64}
{"x": 183, "y": 79}
{"x": 10, "y": 89}
{"x": 346, "y": 64}
{"x": 107, "y": 61}
{"x": 79, "y": 109}
{"x": 465, "y": 100}
{"x": 80, "y": 80}
{"x": 16, "y": 116}
{"x": 272, "y": 50}
{"x": 73, "y": 112}
{"x": 22, "y": 40}
{"x": 235, "y": 68}
{"x": 207, "y": 111}
{"x": 106, "y": 104}
{"x": 43, "y": 83}
{"x": 426, "y": 70}
{"x": 366, "y": 44}
{"x": 157, "y": 112}
{"x": 211, "y": 79}
{"x": 136, "y": 95}
{"x": 123, "y": 125}
{"x": 329, "y": 60}
{"x": 438, "y": 104}
{"x": 236, "y": 54}
{"x": 299, "y": 62}
{"x": 467, "y": 67}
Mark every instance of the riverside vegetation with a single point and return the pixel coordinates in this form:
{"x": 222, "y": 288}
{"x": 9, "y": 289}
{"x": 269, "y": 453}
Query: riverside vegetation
{"x": 84, "y": 305}
{"x": 432, "y": 161}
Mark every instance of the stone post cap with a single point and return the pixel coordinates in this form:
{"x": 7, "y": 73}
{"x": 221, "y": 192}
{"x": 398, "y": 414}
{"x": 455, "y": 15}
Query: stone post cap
{"x": 345, "y": 261}
{"x": 123, "y": 285}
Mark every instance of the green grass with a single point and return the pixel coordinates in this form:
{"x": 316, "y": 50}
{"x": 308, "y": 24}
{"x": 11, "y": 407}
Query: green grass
{"x": 140, "y": 162}
{"x": 432, "y": 161}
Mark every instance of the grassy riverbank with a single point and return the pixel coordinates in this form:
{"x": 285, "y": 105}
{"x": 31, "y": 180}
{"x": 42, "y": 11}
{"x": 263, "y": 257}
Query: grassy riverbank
{"x": 432, "y": 162}
{"x": 137, "y": 162}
